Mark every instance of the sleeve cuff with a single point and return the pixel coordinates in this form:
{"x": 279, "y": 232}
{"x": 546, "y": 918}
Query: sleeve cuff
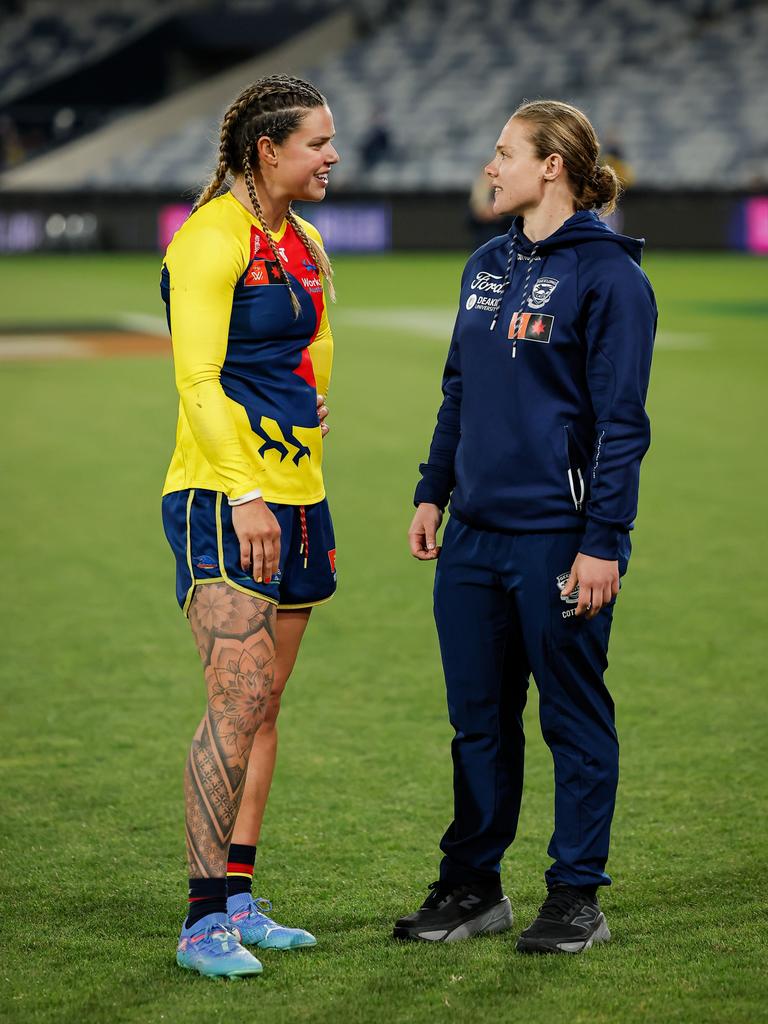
{"x": 427, "y": 492}
{"x": 601, "y": 540}
{"x": 250, "y": 496}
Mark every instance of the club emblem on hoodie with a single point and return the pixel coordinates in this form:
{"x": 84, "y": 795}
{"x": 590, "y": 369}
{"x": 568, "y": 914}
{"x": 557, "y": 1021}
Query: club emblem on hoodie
{"x": 542, "y": 292}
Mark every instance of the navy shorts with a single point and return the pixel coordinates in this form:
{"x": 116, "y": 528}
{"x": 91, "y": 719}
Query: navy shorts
{"x": 198, "y": 525}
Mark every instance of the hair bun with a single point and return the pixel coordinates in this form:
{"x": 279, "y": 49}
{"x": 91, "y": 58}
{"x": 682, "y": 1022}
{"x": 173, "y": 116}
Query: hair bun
{"x": 603, "y": 189}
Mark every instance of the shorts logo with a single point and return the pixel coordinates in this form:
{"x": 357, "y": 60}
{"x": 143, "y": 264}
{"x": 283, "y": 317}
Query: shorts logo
{"x": 542, "y": 292}
{"x": 332, "y": 560}
{"x": 571, "y": 598}
{"x": 276, "y": 576}
{"x": 205, "y": 562}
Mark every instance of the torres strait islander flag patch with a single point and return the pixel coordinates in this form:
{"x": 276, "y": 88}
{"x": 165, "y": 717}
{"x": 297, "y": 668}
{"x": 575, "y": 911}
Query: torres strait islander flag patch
{"x": 531, "y": 327}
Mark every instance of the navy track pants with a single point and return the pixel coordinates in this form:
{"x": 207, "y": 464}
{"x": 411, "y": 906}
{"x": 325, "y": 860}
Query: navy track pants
{"x": 500, "y": 617}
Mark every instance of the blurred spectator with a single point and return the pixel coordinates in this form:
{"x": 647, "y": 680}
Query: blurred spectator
{"x": 12, "y": 150}
{"x": 377, "y": 142}
{"x": 63, "y": 124}
{"x": 613, "y": 154}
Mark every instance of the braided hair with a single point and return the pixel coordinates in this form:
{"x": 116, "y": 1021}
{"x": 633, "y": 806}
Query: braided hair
{"x": 273, "y": 106}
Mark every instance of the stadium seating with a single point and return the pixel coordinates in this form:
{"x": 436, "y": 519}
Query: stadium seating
{"x": 449, "y": 74}
{"x": 681, "y": 87}
{"x": 46, "y": 40}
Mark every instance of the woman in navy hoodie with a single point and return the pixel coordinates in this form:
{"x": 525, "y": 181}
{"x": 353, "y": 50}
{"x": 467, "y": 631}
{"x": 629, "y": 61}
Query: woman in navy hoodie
{"x": 537, "y": 447}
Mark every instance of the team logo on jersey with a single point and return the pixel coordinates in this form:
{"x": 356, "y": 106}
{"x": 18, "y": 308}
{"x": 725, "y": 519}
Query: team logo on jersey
{"x": 206, "y": 562}
{"x": 531, "y": 327}
{"x": 542, "y": 292}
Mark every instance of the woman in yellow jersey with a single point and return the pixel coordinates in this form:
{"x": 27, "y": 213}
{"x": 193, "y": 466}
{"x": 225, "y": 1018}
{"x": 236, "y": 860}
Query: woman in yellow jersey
{"x": 244, "y": 506}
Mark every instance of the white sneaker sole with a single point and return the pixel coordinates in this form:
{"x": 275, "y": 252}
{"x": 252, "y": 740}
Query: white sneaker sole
{"x": 497, "y": 919}
{"x": 600, "y": 934}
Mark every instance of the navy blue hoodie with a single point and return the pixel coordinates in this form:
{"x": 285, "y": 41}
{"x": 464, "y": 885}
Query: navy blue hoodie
{"x": 543, "y": 423}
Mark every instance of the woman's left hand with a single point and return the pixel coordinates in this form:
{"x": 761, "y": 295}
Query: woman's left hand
{"x": 598, "y": 582}
{"x": 322, "y": 412}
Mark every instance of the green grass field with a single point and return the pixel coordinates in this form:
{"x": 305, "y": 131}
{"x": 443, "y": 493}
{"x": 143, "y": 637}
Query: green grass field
{"x": 102, "y": 686}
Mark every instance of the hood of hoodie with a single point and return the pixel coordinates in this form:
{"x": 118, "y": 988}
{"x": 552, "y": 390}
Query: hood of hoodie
{"x": 583, "y": 226}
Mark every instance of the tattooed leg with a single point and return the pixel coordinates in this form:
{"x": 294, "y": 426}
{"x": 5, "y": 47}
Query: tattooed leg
{"x": 235, "y": 635}
{"x": 261, "y": 764}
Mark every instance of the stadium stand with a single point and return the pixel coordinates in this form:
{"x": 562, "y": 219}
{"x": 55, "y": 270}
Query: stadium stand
{"x": 682, "y": 86}
{"x": 45, "y": 41}
{"x": 448, "y": 75}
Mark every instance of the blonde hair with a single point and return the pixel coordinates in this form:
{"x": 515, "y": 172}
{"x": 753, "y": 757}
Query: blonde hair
{"x": 560, "y": 128}
{"x": 273, "y": 106}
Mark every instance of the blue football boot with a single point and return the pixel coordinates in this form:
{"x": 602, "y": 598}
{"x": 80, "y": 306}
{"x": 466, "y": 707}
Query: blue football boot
{"x": 246, "y": 914}
{"x": 212, "y": 948}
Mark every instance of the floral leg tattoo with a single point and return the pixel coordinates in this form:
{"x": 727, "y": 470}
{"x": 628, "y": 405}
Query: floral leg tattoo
{"x": 235, "y": 636}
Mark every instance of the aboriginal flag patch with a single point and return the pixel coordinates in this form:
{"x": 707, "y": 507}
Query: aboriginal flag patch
{"x": 531, "y": 327}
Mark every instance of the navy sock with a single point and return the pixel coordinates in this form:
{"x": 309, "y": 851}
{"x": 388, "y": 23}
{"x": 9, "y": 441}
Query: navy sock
{"x": 240, "y": 862}
{"x": 206, "y": 896}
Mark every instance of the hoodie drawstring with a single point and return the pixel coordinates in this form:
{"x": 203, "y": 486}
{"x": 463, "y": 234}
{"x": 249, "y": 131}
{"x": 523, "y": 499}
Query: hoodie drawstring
{"x": 526, "y": 287}
{"x": 505, "y": 280}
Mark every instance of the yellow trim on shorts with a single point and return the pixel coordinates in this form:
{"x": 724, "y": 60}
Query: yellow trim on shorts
{"x": 238, "y": 874}
{"x": 225, "y": 578}
{"x": 305, "y": 604}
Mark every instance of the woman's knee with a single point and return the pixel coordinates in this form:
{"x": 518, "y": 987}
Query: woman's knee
{"x": 272, "y": 709}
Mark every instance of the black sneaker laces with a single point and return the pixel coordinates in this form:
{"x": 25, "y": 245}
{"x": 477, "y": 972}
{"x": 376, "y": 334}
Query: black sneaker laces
{"x": 560, "y": 903}
{"x": 440, "y": 892}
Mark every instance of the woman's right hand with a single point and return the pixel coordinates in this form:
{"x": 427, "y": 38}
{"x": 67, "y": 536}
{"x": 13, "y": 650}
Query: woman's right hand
{"x": 259, "y": 534}
{"x": 422, "y": 535}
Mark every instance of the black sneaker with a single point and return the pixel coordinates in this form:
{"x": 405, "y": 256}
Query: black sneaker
{"x": 448, "y": 914}
{"x": 570, "y": 920}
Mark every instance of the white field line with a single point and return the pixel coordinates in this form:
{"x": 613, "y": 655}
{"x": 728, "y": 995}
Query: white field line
{"x": 143, "y": 323}
{"x": 438, "y": 322}
{"x": 40, "y": 346}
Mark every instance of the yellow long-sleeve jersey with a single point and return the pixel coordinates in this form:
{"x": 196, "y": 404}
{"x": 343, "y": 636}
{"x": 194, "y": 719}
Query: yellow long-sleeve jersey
{"x": 247, "y": 370}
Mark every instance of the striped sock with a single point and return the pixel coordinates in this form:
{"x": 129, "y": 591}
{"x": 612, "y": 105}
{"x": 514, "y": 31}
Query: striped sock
{"x": 206, "y": 896}
{"x": 240, "y": 868}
